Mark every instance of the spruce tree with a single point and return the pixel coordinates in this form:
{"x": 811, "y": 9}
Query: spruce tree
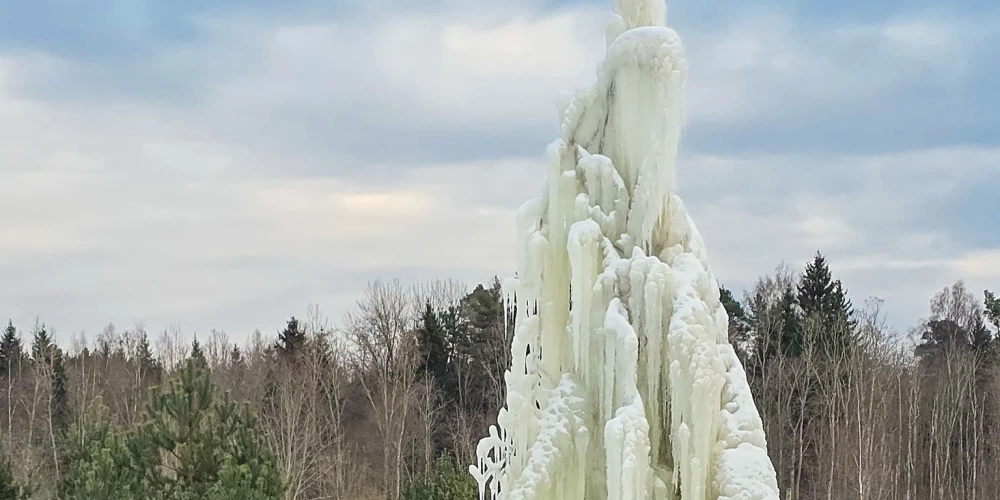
{"x": 825, "y": 307}
{"x": 10, "y": 349}
{"x": 235, "y": 356}
{"x": 41, "y": 344}
{"x": 792, "y": 339}
{"x": 149, "y": 367}
{"x": 59, "y": 396}
{"x": 434, "y": 351}
{"x": 196, "y": 352}
{"x": 739, "y": 322}
{"x": 49, "y": 358}
{"x": 291, "y": 339}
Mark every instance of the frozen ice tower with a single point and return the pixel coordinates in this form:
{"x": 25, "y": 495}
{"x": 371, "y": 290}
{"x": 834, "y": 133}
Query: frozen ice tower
{"x": 623, "y": 385}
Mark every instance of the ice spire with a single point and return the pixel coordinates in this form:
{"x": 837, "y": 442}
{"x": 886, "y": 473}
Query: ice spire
{"x": 622, "y": 383}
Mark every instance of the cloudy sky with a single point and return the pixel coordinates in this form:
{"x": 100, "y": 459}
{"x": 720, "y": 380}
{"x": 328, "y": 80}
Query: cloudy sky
{"x": 223, "y": 164}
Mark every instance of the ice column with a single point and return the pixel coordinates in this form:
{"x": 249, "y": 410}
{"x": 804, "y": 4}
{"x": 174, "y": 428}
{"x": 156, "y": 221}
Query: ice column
{"x": 623, "y": 384}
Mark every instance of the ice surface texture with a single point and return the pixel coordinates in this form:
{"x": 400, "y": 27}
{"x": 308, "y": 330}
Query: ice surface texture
{"x": 622, "y": 384}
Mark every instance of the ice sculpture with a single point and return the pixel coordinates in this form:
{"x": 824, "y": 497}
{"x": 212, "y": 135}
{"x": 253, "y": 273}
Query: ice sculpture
{"x": 623, "y": 384}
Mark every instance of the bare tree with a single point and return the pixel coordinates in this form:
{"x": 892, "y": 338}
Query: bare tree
{"x": 384, "y": 349}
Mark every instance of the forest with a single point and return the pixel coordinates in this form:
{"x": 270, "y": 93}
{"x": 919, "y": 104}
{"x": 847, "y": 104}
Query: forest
{"x": 390, "y": 401}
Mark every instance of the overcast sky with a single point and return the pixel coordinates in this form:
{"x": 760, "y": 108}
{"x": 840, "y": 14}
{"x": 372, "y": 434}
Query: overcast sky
{"x": 224, "y": 164}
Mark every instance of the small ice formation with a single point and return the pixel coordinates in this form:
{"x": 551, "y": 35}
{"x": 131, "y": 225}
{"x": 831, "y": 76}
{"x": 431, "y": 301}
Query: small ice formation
{"x": 623, "y": 384}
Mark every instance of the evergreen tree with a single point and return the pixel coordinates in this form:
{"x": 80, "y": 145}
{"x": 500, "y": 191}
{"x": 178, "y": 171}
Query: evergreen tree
{"x": 792, "y": 339}
{"x": 484, "y": 343}
{"x": 448, "y": 481}
{"x": 191, "y": 446}
{"x": 196, "y": 352}
{"x": 41, "y": 344}
{"x": 49, "y": 358}
{"x": 460, "y": 351}
{"x": 9, "y": 489}
{"x": 149, "y": 367}
{"x": 739, "y": 322}
{"x": 98, "y": 466}
{"x": 434, "y": 350}
{"x": 825, "y": 307}
{"x": 10, "y": 349}
{"x": 775, "y": 323}
{"x": 59, "y": 396}
{"x": 484, "y": 307}
{"x": 218, "y": 451}
{"x": 992, "y": 307}
{"x": 291, "y": 339}
{"x": 235, "y": 356}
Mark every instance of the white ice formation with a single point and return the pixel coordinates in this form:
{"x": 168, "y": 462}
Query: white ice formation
{"x": 623, "y": 384}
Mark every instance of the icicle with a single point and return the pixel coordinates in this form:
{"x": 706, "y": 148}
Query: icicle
{"x": 622, "y": 383}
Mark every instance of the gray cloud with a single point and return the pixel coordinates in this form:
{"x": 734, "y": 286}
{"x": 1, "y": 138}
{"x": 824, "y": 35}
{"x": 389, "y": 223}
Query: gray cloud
{"x": 285, "y": 163}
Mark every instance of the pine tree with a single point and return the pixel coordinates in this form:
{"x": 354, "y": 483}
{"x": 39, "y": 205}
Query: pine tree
{"x": 484, "y": 345}
{"x": 11, "y": 351}
{"x": 98, "y": 466}
{"x": 218, "y": 451}
{"x": 192, "y": 445}
{"x": 484, "y": 306}
{"x": 291, "y": 339}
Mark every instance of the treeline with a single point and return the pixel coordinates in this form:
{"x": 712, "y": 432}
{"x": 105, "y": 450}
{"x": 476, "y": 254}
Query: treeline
{"x": 855, "y": 411}
{"x": 390, "y": 402}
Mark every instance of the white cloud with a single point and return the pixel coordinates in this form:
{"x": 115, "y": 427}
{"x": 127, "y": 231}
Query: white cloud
{"x": 189, "y": 212}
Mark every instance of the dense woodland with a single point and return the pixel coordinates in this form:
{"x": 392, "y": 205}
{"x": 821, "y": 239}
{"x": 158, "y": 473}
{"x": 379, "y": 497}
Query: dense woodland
{"x": 390, "y": 402}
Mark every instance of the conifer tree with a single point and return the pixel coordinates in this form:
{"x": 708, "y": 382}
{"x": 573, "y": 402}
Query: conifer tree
{"x": 217, "y": 451}
{"x": 825, "y": 307}
{"x": 196, "y": 352}
{"x": 434, "y": 350}
{"x": 98, "y": 466}
{"x": 9, "y": 489}
{"x": 59, "y": 397}
{"x": 792, "y": 338}
{"x": 41, "y": 344}
{"x": 49, "y": 358}
{"x": 10, "y": 349}
{"x": 484, "y": 306}
{"x": 235, "y": 356}
{"x": 291, "y": 339}
{"x": 149, "y": 367}
{"x": 992, "y": 307}
{"x": 739, "y": 322}
{"x": 191, "y": 446}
